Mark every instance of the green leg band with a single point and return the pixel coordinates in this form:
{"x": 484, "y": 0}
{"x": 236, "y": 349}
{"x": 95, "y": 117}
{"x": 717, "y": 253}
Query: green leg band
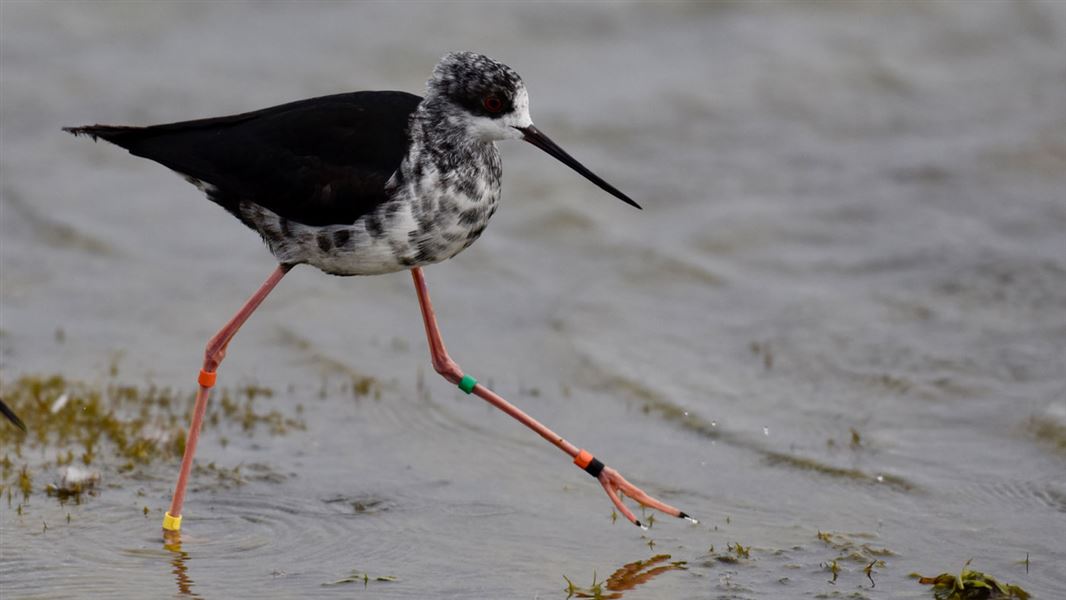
{"x": 467, "y": 383}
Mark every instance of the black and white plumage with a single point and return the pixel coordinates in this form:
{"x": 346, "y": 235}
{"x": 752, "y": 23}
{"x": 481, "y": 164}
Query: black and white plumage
{"x": 359, "y": 183}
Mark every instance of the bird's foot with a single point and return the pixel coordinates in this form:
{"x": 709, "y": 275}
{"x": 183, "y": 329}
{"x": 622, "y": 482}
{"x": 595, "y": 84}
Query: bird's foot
{"x": 615, "y": 485}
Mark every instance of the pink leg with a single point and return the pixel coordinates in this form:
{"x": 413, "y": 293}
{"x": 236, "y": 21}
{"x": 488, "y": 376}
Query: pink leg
{"x": 216, "y": 351}
{"x": 612, "y": 481}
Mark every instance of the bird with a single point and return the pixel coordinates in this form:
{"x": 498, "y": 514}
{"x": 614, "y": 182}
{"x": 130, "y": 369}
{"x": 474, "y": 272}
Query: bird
{"x": 366, "y": 183}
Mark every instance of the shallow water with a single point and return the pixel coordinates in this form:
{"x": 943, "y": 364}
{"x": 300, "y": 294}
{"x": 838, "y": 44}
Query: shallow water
{"x": 854, "y": 222}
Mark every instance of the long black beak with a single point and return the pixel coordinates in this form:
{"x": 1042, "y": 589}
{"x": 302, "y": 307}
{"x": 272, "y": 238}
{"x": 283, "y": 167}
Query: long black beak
{"x": 533, "y": 135}
{"x": 11, "y": 416}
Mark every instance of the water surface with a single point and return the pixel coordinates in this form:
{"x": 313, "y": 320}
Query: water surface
{"x": 842, "y": 311}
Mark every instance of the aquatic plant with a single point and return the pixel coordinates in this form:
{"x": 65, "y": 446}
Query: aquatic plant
{"x": 359, "y": 576}
{"x": 970, "y": 585}
{"x": 114, "y": 428}
{"x": 850, "y": 549}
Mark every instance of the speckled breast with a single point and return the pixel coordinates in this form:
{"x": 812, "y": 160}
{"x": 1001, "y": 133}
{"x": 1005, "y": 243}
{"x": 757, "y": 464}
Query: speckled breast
{"x": 433, "y": 214}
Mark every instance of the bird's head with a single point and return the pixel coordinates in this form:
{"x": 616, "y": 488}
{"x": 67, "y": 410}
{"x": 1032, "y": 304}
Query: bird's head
{"x": 492, "y": 102}
{"x": 489, "y": 96}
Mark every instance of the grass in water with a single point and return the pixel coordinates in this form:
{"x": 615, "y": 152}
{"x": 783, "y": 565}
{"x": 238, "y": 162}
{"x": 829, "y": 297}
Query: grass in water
{"x": 970, "y": 585}
{"x": 76, "y": 430}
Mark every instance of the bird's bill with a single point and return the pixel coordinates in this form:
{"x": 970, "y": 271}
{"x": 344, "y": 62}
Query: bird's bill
{"x": 534, "y": 136}
{"x": 11, "y": 416}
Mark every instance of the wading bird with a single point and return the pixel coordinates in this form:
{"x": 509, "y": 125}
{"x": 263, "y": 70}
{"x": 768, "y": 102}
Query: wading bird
{"x": 365, "y": 183}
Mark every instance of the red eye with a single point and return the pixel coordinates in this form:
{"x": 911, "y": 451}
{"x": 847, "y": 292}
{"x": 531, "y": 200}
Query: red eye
{"x": 492, "y": 104}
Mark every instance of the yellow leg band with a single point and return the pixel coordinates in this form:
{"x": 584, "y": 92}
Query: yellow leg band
{"x": 171, "y": 523}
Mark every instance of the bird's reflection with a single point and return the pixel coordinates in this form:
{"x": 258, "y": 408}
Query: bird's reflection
{"x": 172, "y": 544}
{"x": 625, "y": 578}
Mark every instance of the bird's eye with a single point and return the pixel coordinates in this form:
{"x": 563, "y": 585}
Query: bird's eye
{"x": 492, "y": 104}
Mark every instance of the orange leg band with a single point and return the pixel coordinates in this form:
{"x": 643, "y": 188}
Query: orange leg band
{"x": 207, "y": 378}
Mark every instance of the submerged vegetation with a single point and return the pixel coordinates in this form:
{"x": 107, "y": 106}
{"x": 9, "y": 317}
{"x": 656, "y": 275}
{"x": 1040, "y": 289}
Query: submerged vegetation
{"x": 970, "y": 585}
{"x": 83, "y": 437}
{"x": 1049, "y": 430}
{"x": 849, "y": 547}
{"x": 654, "y": 403}
{"x": 734, "y": 553}
{"x": 361, "y": 577}
{"x": 77, "y": 433}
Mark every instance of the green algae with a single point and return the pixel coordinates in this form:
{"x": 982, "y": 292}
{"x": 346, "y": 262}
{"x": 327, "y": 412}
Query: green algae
{"x": 739, "y": 550}
{"x": 833, "y": 567}
{"x": 117, "y": 428}
{"x": 970, "y": 585}
{"x": 849, "y": 547}
{"x": 868, "y": 570}
{"x": 25, "y": 482}
{"x": 1049, "y": 431}
{"x": 773, "y": 457}
{"x": 734, "y": 553}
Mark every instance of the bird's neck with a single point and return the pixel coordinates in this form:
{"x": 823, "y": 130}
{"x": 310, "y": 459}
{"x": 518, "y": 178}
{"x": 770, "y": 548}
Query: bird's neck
{"x": 441, "y": 135}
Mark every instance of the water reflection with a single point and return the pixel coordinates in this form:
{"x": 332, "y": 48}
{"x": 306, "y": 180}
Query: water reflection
{"x": 625, "y": 578}
{"x": 172, "y": 544}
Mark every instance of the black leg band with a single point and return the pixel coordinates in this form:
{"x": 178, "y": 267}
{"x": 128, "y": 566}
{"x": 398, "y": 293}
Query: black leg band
{"x": 595, "y": 468}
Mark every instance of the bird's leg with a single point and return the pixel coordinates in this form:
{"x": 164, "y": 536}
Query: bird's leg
{"x": 611, "y": 480}
{"x": 213, "y": 355}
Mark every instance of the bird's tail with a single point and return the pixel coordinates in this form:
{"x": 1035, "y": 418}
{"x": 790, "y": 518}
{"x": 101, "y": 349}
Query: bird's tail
{"x": 116, "y": 134}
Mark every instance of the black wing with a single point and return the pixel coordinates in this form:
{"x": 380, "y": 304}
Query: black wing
{"x": 321, "y": 161}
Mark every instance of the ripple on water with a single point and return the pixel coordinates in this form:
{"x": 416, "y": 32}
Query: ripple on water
{"x": 1014, "y": 495}
{"x": 294, "y": 534}
{"x": 302, "y": 537}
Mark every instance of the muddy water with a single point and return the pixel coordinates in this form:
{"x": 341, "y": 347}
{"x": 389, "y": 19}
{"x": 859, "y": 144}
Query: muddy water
{"x": 843, "y": 310}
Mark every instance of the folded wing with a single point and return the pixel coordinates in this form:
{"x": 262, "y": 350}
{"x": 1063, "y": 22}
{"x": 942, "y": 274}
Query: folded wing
{"x": 321, "y": 161}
